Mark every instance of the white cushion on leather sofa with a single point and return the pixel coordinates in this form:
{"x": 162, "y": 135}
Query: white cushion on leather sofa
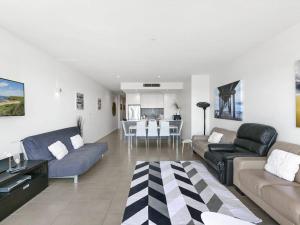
{"x": 283, "y": 164}
{"x": 215, "y": 137}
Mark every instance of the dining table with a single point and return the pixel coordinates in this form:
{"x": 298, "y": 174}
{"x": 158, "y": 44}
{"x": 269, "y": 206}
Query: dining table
{"x": 133, "y": 127}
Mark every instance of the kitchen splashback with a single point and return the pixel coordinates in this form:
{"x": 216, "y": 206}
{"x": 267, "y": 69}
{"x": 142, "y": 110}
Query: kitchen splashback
{"x": 154, "y": 113}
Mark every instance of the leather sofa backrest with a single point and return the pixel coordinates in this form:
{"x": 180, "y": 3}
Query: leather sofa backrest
{"x": 257, "y": 138}
{"x": 289, "y": 147}
{"x": 228, "y": 135}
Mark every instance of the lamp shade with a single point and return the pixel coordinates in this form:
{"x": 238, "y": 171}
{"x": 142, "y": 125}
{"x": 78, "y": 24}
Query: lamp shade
{"x": 203, "y": 105}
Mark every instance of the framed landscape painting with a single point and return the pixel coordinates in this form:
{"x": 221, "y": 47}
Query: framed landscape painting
{"x": 297, "y": 84}
{"x": 11, "y": 98}
{"x": 228, "y": 101}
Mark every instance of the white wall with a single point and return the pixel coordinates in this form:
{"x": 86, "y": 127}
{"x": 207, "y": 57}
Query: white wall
{"x": 44, "y": 111}
{"x": 269, "y": 84}
{"x": 196, "y": 89}
{"x": 185, "y": 109}
{"x": 169, "y": 108}
{"x": 199, "y": 93}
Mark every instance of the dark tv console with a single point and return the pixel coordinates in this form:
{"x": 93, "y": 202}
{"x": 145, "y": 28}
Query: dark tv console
{"x": 22, "y": 186}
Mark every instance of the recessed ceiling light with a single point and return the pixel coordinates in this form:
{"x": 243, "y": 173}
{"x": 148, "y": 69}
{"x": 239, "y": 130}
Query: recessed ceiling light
{"x": 158, "y": 76}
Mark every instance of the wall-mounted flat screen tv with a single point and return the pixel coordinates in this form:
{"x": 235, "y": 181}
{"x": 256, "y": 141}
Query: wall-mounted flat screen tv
{"x": 11, "y": 98}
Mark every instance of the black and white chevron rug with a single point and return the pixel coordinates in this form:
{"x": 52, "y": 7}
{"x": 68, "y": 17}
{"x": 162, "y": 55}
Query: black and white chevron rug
{"x": 176, "y": 193}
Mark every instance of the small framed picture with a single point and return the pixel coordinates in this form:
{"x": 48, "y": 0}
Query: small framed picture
{"x": 99, "y": 103}
{"x": 80, "y": 101}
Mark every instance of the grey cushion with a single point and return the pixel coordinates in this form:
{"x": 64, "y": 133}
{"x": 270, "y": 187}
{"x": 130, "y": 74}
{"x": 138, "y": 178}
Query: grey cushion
{"x": 36, "y": 147}
{"x": 77, "y": 161}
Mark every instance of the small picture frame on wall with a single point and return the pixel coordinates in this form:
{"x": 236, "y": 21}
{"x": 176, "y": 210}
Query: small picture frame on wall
{"x": 99, "y": 103}
{"x": 79, "y": 101}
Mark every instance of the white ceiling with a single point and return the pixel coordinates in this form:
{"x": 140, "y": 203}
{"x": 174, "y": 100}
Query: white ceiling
{"x": 138, "y": 40}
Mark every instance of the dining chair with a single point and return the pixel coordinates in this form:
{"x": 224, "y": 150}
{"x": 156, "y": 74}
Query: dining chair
{"x": 164, "y": 130}
{"x": 141, "y": 131}
{"x": 126, "y": 132}
{"x": 152, "y": 131}
{"x": 177, "y": 133}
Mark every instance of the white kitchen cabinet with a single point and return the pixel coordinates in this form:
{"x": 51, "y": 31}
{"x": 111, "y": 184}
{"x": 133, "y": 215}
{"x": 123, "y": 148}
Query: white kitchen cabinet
{"x": 152, "y": 100}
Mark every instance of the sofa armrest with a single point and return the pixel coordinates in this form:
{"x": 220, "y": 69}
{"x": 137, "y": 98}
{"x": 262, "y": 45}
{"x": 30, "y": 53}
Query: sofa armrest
{"x": 221, "y": 147}
{"x": 247, "y": 163}
{"x": 200, "y": 138}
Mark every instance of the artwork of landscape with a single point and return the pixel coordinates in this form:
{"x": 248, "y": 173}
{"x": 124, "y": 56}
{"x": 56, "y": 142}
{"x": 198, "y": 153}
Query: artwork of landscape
{"x": 11, "y": 98}
{"x": 228, "y": 101}
{"x": 297, "y": 83}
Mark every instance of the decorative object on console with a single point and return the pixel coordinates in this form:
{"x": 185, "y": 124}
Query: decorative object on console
{"x": 14, "y": 163}
{"x": 228, "y": 101}
{"x": 204, "y": 106}
{"x": 11, "y": 98}
{"x": 99, "y": 103}
{"x": 297, "y": 84}
{"x": 80, "y": 101}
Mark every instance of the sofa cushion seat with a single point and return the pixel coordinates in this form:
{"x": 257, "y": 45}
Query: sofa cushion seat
{"x": 77, "y": 161}
{"x": 256, "y": 180}
{"x": 284, "y": 199}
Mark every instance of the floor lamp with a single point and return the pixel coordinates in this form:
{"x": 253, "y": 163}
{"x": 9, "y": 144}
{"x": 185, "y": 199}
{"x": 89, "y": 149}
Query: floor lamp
{"x": 204, "y": 106}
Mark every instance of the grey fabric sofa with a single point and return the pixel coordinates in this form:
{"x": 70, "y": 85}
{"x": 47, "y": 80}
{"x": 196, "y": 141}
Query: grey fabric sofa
{"x": 72, "y": 165}
{"x": 200, "y": 142}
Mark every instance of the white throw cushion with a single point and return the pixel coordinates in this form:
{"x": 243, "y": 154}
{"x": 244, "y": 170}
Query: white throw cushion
{"x": 215, "y": 137}
{"x": 58, "y": 149}
{"x": 77, "y": 141}
{"x": 283, "y": 164}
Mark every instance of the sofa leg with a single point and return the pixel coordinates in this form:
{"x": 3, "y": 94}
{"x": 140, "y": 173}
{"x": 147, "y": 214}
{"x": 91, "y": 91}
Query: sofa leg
{"x": 239, "y": 191}
{"x": 76, "y": 179}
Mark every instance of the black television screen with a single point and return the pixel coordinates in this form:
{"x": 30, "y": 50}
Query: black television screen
{"x": 11, "y": 98}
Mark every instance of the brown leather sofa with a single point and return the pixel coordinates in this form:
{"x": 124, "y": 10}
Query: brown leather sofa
{"x": 200, "y": 142}
{"x": 278, "y": 197}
